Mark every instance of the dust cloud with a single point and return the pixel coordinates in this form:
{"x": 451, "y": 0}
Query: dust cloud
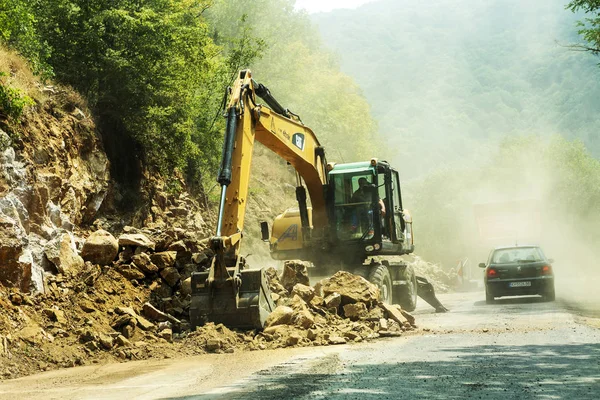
{"x": 532, "y": 190}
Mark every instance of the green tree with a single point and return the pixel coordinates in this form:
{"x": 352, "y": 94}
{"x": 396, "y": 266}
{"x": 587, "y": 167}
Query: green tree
{"x": 18, "y": 30}
{"x": 152, "y": 74}
{"x": 302, "y": 74}
{"x": 590, "y": 27}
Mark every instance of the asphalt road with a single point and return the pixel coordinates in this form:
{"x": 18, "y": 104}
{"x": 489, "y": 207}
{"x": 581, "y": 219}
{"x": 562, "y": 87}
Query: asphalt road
{"x": 515, "y": 349}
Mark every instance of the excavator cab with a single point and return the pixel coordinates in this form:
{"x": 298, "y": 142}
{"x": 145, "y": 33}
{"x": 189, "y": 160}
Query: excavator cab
{"x": 366, "y": 213}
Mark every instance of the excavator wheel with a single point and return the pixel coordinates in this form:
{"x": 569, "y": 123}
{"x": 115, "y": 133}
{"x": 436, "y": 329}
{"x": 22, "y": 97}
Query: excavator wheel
{"x": 379, "y": 275}
{"x": 406, "y": 295}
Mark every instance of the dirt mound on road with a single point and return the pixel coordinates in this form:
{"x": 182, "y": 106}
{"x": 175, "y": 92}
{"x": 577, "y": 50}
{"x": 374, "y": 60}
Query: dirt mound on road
{"x": 101, "y": 315}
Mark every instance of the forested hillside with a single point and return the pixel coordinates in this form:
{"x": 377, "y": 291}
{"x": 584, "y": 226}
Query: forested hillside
{"x": 154, "y": 73}
{"x": 479, "y": 103}
{"x": 448, "y": 79}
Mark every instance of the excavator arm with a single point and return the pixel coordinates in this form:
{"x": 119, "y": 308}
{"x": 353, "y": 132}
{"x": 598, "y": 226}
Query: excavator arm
{"x": 229, "y": 292}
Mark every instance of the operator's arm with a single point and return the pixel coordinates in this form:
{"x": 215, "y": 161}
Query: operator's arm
{"x": 382, "y": 207}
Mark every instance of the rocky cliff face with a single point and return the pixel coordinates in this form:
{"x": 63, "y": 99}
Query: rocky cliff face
{"x": 54, "y": 176}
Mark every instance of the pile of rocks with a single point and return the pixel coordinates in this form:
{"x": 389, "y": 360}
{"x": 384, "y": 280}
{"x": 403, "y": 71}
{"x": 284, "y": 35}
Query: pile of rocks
{"x": 130, "y": 300}
{"x": 342, "y": 309}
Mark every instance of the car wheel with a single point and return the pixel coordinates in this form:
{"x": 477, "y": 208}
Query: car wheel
{"x": 489, "y": 299}
{"x": 550, "y": 295}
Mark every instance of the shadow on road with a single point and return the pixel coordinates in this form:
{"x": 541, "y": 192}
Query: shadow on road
{"x": 489, "y": 372}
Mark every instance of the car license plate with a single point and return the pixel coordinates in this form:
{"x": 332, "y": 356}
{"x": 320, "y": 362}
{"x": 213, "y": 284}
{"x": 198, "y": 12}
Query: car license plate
{"x": 520, "y": 284}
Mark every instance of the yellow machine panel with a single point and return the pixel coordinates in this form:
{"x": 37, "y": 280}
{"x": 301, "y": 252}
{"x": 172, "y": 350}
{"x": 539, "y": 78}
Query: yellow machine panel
{"x": 287, "y": 230}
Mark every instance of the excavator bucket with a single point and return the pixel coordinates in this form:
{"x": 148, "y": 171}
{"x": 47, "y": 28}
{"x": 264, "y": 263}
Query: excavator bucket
{"x": 246, "y": 307}
{"x": 426, "y": 292}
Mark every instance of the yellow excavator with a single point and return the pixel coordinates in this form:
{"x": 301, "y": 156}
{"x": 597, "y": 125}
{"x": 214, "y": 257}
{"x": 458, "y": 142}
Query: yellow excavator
{"x": 355, "y": 218}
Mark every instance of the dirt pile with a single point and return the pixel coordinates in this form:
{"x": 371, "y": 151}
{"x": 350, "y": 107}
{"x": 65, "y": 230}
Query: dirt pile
{"x": 338, "y": 310}
{"x": 137, "y": 308}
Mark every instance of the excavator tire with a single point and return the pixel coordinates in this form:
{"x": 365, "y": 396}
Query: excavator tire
{"x": 363, "y": 271}
{"x": 379, "y": 275}
{"x": 406, "y": 295}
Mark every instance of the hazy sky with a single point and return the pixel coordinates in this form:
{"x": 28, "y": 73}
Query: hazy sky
{"x": 327, "y": 5}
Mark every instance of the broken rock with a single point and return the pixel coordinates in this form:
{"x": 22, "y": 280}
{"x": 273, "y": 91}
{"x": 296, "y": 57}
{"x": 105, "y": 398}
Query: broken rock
{"x": 294, "y": 272}
{"x": 337, "y": 340}
{"x": 123, "y": 341}
{"x": 352, "y": 288}
{"x": 154, "y": 314}
{"x": 61, "y": 252}
{"x": 282, "y": 315}
{"x": 355, "y": 311}
{"x": 164, "y": 259}
{"x": 144, "y": 263}
{"x": 394, "y": 313}
{"x": 302, "y": 316}
{"x": 333, "y": 300}
{"x": 294, "y": 339}
{"x": 166, "y": 334}
{"x": 305, "y": 292}
{"x": 186, "y": 286}
{"x": 100, "y": 248}
{"x": 55, "y": 315}
{"x": 171, "y": 276}
{"x": 106, "y": 341}
{"x": 131, "y": 272}
{"x": 136, "y": 240}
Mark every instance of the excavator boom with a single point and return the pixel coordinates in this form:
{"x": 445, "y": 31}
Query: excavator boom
{"x": 229, "y": 292}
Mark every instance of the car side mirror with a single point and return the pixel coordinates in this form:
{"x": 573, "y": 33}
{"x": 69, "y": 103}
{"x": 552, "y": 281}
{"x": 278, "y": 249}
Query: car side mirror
{"x": 481, "y": 265}
{"x": 264, "y": 231}
{"x": 551, "y": 260}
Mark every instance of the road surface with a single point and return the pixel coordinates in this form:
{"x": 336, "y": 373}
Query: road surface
{"x": 515, "y": 349}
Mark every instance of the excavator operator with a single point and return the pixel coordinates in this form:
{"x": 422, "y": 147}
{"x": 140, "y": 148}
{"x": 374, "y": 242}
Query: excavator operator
{"x": 361, "y": 195}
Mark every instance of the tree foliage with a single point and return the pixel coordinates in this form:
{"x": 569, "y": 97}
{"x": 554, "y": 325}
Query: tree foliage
{"x": 590, "y": 27}
{"x": 146, "y": 67}
{"x": 448, "y": 80}
{"x": 154, "y": 72}
{"x": 303, "y": 74}
{"x": 18, "y": 29}
{"x": 12, "y": 101}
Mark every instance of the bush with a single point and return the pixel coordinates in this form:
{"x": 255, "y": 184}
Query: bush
{"x": 12, "y": 101}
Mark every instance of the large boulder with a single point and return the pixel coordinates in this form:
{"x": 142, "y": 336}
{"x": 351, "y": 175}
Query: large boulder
{"x": 61, "y": 252}
{"x": 15, "y": 264}
{"x": 352, "y": 288}
{"x": 136, "y": 240}
{"x": 302, "y": 316}
{"x": 164, "y": 259}
{"x": 100, "y": 248}
{"x": 294, "y": 272}
{"x": 282, "y": 315}
{"x": 143, "y": 262}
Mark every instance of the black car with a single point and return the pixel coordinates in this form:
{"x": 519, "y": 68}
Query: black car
{"x": 518, "y": 271}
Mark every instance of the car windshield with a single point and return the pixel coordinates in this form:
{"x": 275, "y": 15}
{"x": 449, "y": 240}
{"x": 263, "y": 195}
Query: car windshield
{"x": 517, "y": 254}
